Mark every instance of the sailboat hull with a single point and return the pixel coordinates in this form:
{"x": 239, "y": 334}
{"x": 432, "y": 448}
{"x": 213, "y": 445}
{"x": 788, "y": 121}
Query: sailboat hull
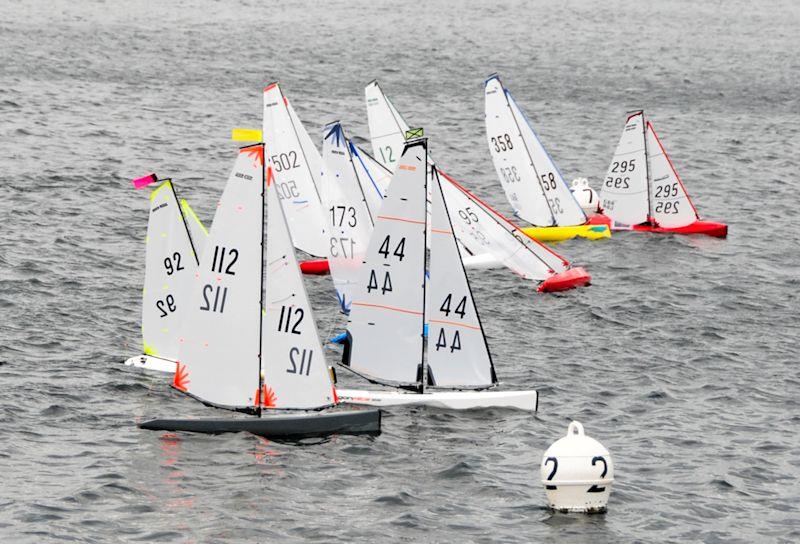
{"x": 279, "y": 426}
{"x": 563, "y": 281}
{"x": 559, "y": 234}
{"x": 451, "y": 400}
{"x": 708, "y": 228}
{"x": 156, "y": 364}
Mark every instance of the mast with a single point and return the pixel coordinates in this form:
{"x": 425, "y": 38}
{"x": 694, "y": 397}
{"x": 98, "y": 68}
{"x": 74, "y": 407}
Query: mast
{"x": 261, "y": 301}
{"x": 183, "y": 220}
{"x": 423, "y": 359}
{"x": 647, "y": 172}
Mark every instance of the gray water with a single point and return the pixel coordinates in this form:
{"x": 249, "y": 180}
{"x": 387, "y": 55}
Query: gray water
{"x": 680, "y": 358}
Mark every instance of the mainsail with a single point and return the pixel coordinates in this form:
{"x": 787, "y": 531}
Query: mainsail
{"x": 483, "y": 227}
{"x": 297, "y": 165}
{"x": 531, "y": 180}
{"x": 219, "y": 360}
{"x": 373, "y": 176}
{"x": 170, "y": 264}
{"x": 671, "y": 205}
{"x": 457, "y": 352}
{"x": 624, "y": 195}
{"x": 389, "y": 301}
{"x": 294, "y": 372}
{"x": 348, "y": 214}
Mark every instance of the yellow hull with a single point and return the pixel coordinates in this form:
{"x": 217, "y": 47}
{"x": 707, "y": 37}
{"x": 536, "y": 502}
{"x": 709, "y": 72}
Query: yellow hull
{"x": 558, "y": 234}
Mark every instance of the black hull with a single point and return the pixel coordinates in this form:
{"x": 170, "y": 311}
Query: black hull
{"x": 279, "y": 425}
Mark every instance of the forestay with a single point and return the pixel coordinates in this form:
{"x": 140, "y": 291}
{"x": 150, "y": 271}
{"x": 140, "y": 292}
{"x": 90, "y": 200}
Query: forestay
{"x": 170, "y": 264}
{"x": 197, "y": 231}
{"x": 297, "y": 165}
{"x": 482, "y": 227}
{"x": 295, "y": 374}
{"x": 373, "y": 177}
{"x": 219, "y": 359}
{"x": 624, "y": 194}
{"x": 390, "y": 296}
{"x": 457, "y": 352}
{"x": 386, "y": 127}
{"x": 531, "y": 180}
{"x": 672, "y": 206}
{"x": 348, "y": 216}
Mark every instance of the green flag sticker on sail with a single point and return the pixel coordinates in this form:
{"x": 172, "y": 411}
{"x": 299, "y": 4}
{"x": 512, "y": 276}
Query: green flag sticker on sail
{"x": 414, "y": 133}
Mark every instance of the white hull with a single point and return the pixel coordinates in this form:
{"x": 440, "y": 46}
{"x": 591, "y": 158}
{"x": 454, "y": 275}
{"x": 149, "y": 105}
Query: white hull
{"x": 452, "y": 400}
{"x": 156, "y": 364}
{"x": 482, "y": 261}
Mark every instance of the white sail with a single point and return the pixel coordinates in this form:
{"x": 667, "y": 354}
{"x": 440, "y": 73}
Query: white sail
{"x": 170, "y": 265}
{"x": 197, "y": 231}
{"x": 219, "y": 360}
{"x": 297, "y": 166}
{"x": 386, "y": 127}
{"x": 386, "y": 317}
{"x": 295, "y": 374}
{"x": 671, "y": 205}
{"x": 457, "y": 352}
{"x": 348, "y": 215}
{"x": 373, "y": 176}
{"x": 532, "y": 182}
{"x": 484, "y": 228}
{"x": 624, "y": 194}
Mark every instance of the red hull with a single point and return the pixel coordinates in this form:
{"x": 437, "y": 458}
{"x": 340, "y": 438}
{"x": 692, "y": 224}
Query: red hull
{"x": 709, "y": 228}
{"x": 318, "y": 267}
{"x": 569, "y": 279}
{"x": 599, "y": 219}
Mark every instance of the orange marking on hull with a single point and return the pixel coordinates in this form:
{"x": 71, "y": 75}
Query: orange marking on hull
{"x": 382, "y": 307}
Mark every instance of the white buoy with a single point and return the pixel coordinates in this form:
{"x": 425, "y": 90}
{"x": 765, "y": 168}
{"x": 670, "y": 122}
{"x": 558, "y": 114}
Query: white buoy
{"x": 585, "y": 195}
{"x": 577, "y": 473}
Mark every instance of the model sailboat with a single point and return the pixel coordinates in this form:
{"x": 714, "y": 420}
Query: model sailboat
{"x": 490, "y": 238}
{"x": 395, "y": 298}
{"x": 642, "y": 191}
{"x": 532, "y": 182}
{"x": 171, "y": 261}
{"x": 240, "y": 352}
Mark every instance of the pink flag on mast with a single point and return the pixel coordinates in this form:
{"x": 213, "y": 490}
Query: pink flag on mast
{"x": 138, "y": 183}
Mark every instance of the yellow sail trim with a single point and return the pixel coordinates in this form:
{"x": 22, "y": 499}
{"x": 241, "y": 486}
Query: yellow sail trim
{"x": 166, "y": 183}
{"x": 149, "y": 350}
{"x": 189, "y": 212}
